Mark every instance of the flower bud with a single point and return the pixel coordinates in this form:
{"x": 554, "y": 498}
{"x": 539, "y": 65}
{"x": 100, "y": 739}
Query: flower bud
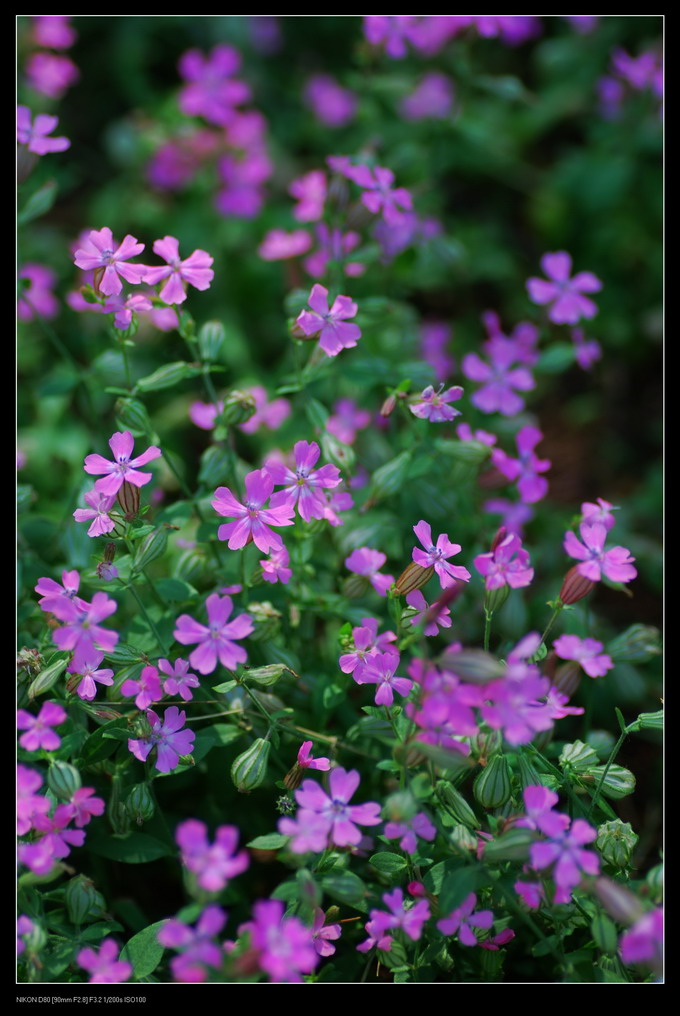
{"x": 456, "y": 805}
{"x": 131, "y": 415}
{"x": 574, "y": 587}
{"x": 618, "y": 782}
{"x": 267, "y": 620}
{"x": 578, "y": 757}
{"x": 46, "y": 678}
{"x": 191, "y": 566}
{"x": 568, "y": 677}
{"x": 129, "y": 499}
{"x": 107, "y": 571}
{"x": 463, "y": 839}
{"x": 63, "y": 780}
{"x": 495, "y": 598}
{"x": 83, "y": 902}
{"x": 511, "y": 846}
{"x": 249, "y": 769}
{"x": 337, "y": 452}
{"x": 650, "y": 721}
{"x": 30, "y": 660}
{"x": 239, "y": 406}
{"x": 413, "y": 577}
{"x": 498, "y": 539}
{"x": 390, "y": 478}
{"x": 410, "y": 754}
{"x": 355, "y": 586}
{"x": 476, "y": 666}
{"x": 266, "y": 675}
{"x": 604, "y": 934}
{"x": 637, "y": 644}
{"x": 168, "y": 376}
{"x": 619, "y": 902}
{"x": 492, "y": 786}
{"x": 140, "y": 803}
{"x": 529, "y": 776}
{"x": 151, "y": 547}
{"x": 400, "y": 807}
{"x": 485, "y": 743}
{"x": 616, "y": 842}
{"x": 388, "y": 405}
{"x": 654, "y": 881}
{"x": 210, "y": 340}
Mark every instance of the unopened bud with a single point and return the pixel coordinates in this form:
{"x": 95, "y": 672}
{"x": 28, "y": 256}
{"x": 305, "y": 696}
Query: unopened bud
{"x": 46, "y": 678}
{"x": 355, "y": 586}
{"x": 210, "y": 340}
{"x": 266, "y": 675}
{"x": 619, "y": 902}
{"x": 616, "y": 842}
{"x": 413, "y": 577}
{"x": 151, "y": 547}
{"x": 267, "y": 620}
{"x": 485, "y": 743}
{"x": 618, "y": 782}
{"x": 463, "y": 839}
{"x": 578, "y": 757}
{"x": 637, "y": 644}
{"x": 654, "y": 880}
{"x": 574, "y": 587}
{"x": 129, "y": 499}
{"x": 511, "y": 846}
{"x": 568, "y": 677}
{"x": 83, "y": 902}
{"x": 63, "y": 780}
{"x": 456, "y": 805}
{"x": 140, "y": 803}
{"x": 239, "y": 406}
{"x": 604, "y": 934}
{"x": 492, "y": 786}
{"x": 495, "y": 598}
{"x": 400, "y": 807}
{"x": 249, "y": 769}
{"x": 388, "y": 405}
{"x": 132, "y": 415}
{"x": 498, "y": 539}
{"x": 30, "y": 660}
{"x": 476, "y": 666}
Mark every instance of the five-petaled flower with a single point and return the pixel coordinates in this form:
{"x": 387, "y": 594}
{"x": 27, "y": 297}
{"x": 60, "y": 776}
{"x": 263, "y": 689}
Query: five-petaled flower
{"x": 569, "y": 304}
{"x": 104, "y": 966}
{"x": 252, "y": 518}
{"x": 595, "y": 561}
{"x": 167, "y": 737}
{"x": 433, "y": 405}
{"x": 194, "y": 270}
{"x": 216, "y": 640}
{"x": 123, "y": 469}
{"x": 436, "y": 556}
{"x": 304, "y": 486}
{"x": 331, "y": 324}
{"x": 100, "y": 253}
{"x": 213, "y": 865}
{"x": 34, "y": 135}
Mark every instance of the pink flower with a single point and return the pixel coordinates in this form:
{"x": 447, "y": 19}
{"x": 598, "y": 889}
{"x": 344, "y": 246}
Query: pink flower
{"x": 81, "y": 631}
{"x": 279, "y": 245}
{"x": 333, "y": 813}
{"x": 346, "y": 420}
{"x": 252, "y": 519}
{"x": 39, "y": 733}
{"x": 98, "y": 512}
{"x": 391, "y": 31}
{"x": 51, "y": 592}
{"x": 195, "y": 270}
{"x": 380, "y": 669}
{"x": 367, "y": 643}
{"x": 197, "y": 950}
{"x": 85, "y": 806}
{"x": 439, "y": 616}
{"x": 333, "y": 105}
{"x": 147, "y": 689}
{"x": 123, "y": 469}
{"x": 432, "y": 406}
{"x": 436, "y": 556}
{"x": 408, "y": 829}
{"x": 37, "y": 300}
{"x": 98, "y": 252}
{"x": 378, "y": 193}
{"x": 51, "y": 74}
{"x": 499, "y": 569}
{"x": 125, "y": 306}
{"x": 586, "y": 351}
{"x": 643, "y": 942}
{"x": 366, "y": 561}
{"x": 179, "y": 681}
{"x": 526, "y": 468}
{"x": 588, "y": 652}
{"x": 53, "y": 31}
{"x": 216, "y": 641}
{"x": 212, "y": 92}
{"x": 86, "y": 667}
{"x": 432, "y": 98}
{"x": 310, "y": 192}
{"x": 565, "y": 294}
{"x": 600, "y": 512}
{"x": 564, "y": 851}
{"x": 214, "y": 865}
{"x": 463, "y": 921}
{"x": 330, "y": 325}
{"x": 267, "y": 414}
{"x": 614, "y": 563}
{"x": 167, "y": 737}
{"x": 34, "y": 136}
{"x": 281, "y": 946}
{"x": 275, "y": 568}
{"x": 104, "y": 966}
{"x": 323, "y": 934}
{"x": 304, "y": 486}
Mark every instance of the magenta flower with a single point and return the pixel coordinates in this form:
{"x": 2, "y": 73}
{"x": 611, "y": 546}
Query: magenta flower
{"x": 323, "y": 934}
{"x": 346, "y": 420}
{"x": 51, "y": 592}
{"x": 330, "y": 325}
{"x": 526, "y": 468}
{"x": 194, "y": 270}
{"x": 306, "y": 761}
{"x": 437, "y": 555}
{"x": 303, "y": 487}
{"x": 341, "y": 820}
{"x": 463, "y": 921}
{"x": 282, "y": 947}
{"x": 104, "y": 966}
{"x": 614, "y": 563}
{"x": 367, "y": 643}
{"x": 123, "y": 469}
{"x": 252, "y": 519}
{"x": 367, "y": 562}
{"x": 432, "y": 98}
{"x": 408, "y": 916}
{"x": 84, "y": 806}
{"x": 564, "y": 851}
{"x": 539, "y": 803}
{"x": 212, "y": 92}
{"x": 100, "y": 506}
{"x": 588, "y": 652}
{"x": 167, "y": 737}
{"x": 82, "y": 632}
{"x": 333, "y": 245}
{"x": 25, "y": 926}
{"x": 516, "y": 707}
{"x": 216, "y": 641}
{"x": 98, "y": 252}
{"x": 435, "y": 336}
{"x": 39, "y": 733}
{"x": 178, "y": 681}
{"x": 643, "y": 942}
{"x": 498, "y": 567}
{"x": 147, "y": 689}
{"x": 392, "y": 31}
{"x": 57, "y": 840}
{"x": 433, "y": 405}
{"x": 275, "y": 567}
{"x": 310, "y": 192}
{"x": 51, "y": 74}
{"x": 279, "y": 245}
{"x": 331, "y": 104}
{"x": 267, "y": 414}
{"x": 29, "y": 804}
{"x": 197, "y": 950}
{"x": 600, "y": 512}
{"x": 214, "y": 865}
{"x": 378, "y": 194}
{"x": 569, "y": 304}
{"x": 586, "y": 351}
{"x": 435, "y": 616}
{"x": 89, "y": 674}
{"x": 380, "y": 669}
{"x": 204, "y": 414}
{"x": 409, "y": 829}
{"x": 125, "y": 306}
{"x": 500, "y": 379}
{"x": 53, "y": 31}
{"x": 37, "y": 300}
{"x": 514, "y": 513}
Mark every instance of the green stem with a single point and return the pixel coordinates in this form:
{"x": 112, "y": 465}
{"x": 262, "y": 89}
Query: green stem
{"x": 244, "y": 583}
{"x": 126, "y": 362}
{"x": 552, "y": 620}
{"x": 488, "y": 617}
{"x": 148, "y": 620}
{"x": 614, "y": 752}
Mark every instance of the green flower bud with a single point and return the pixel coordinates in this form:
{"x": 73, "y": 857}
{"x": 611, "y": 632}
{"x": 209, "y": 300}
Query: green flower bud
{"x": 168, "y": 376}
{"x": 654, "y": 879}
{"x": 191, "y": 566}
{"x": 604, "y": 934}
{"x": 486, "y": 743}
{"x": 400, "y": 807}
{"x": 115, "y": 809}
{"x": 476, "y": 667}
{"x": 46, "y": 678}
{"x": 340, "y": 454}
{"x": 267, "y": 621}
{"x": 132, "y": 415}
{"x": 83, "y": 902}
{"x": 355, "y": 586}
{"x": 616, "y": 842}
{"x": 413, "y": 577}
{"x": 210, "y": 340}
{"x": 390, "y": 478}
{"x": 495, "y": 598}
{"x": 637, "y": 644}
{"x": 529, "y": 776}
{"x": 129, "y": 499}
{"x": 578, "y": 757}
{"x": 511, "y": 846}
{"x": 248, "y": 769}
{"x": 239, "y": 406}
{"x": 63, "y": 780}
{"x": 492, "y": 786}
{"x": 456, "y": 805}
{"x": 463, "y": 839}
{"x": 472, "y": 453}
{"x": 140, "y": 803}
{"x": 266, "y": 675}
{"x": 650, "y": 721}
{"x": 151, "y": 547}
{"x": 618, "y": 782}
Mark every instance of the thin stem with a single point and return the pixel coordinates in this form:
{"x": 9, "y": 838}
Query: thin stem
{"x": 488, "y": 617}
{"x": 148, "y": 620}
{"x": 614, "y": 752}
{"x": 556, "y": 611}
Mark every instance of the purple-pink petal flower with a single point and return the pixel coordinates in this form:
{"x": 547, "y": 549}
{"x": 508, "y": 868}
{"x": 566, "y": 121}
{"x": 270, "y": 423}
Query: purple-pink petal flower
{"x": 216, "y": 641}
{"x": 565, "y": 294}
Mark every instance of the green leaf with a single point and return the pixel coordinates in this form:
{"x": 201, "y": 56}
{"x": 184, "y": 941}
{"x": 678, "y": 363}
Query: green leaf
{"x": 346, "y": 887}
{"x": 317, "y": 414}
{"x": 457, "y": 886}
{"x": 98, "y": 746}
{"x": 125, "y": 653}
{"x": 174, "y": 590}
{"x": 144, "y": 951}
{"x": 167, "y": 376}
{"x": 38, "y": 203}
{"x": 388, "y": 863}
{"x": 136, "y": 848}
{"x": 271, "y": 841}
